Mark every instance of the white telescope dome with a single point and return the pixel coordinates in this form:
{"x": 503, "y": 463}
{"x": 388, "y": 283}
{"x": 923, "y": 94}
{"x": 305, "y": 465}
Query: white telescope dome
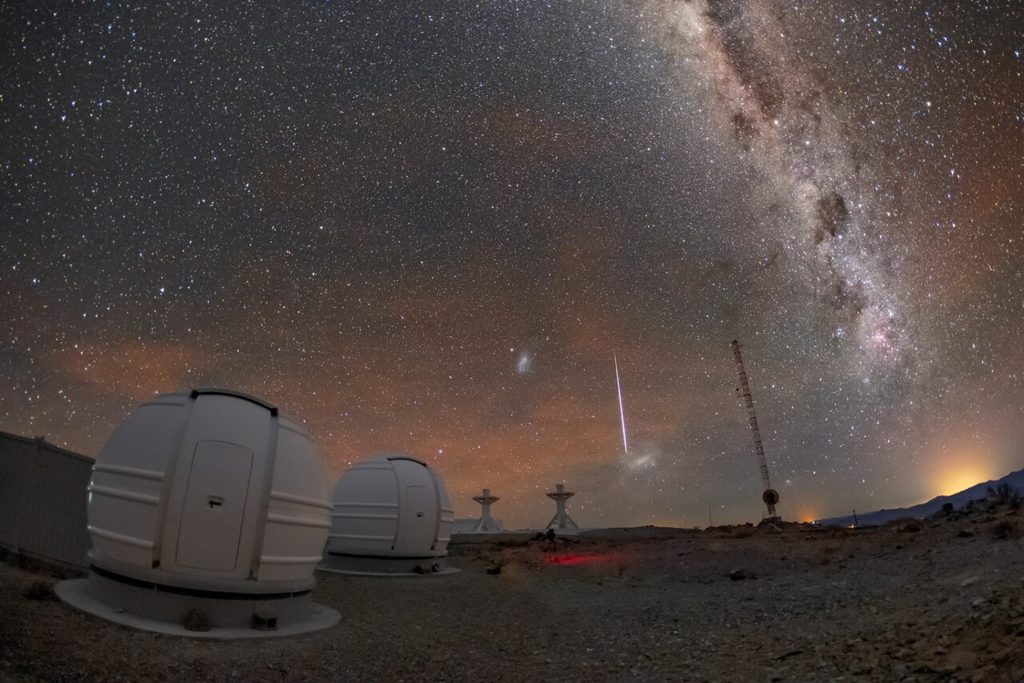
{"x": 213, "y": 502}
{"x": 391, "y": 515}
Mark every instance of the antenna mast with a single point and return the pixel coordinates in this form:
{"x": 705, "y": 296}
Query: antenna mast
{"x": 770, "y": 495}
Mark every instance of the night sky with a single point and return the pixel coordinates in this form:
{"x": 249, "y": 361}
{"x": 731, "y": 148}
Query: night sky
{"x": 431, "y": 227}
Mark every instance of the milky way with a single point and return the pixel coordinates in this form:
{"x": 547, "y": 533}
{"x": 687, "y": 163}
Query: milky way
{"x": 438, "y": 228}
{"x": 832, "y": 214}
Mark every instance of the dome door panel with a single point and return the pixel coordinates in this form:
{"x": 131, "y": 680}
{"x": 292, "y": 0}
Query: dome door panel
{"x": 417, "y": 519}
{"x": 214, "y": 510}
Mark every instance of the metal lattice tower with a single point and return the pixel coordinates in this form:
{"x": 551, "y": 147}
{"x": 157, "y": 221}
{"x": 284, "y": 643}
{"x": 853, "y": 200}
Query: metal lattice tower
{"x": 561, "y": 520}
{"x": 770, "y": 495}
{"x": 486, "y": 524}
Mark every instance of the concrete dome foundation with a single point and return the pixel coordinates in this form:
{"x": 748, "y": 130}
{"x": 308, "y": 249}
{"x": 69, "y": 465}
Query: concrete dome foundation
{"x": 167, "y": 609}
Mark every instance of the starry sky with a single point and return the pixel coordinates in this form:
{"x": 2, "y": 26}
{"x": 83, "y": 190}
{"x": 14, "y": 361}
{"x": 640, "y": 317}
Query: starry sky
{"x": 434, "y": 228}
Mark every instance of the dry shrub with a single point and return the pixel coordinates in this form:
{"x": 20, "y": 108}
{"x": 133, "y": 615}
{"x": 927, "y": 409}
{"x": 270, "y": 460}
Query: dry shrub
{"x": 40, "y": 590}
{"x": 1004, "y": 495}
{"x": 826, "y": 553}
{"x": 734, "y": 531}
{"x": 1005, "y": 530}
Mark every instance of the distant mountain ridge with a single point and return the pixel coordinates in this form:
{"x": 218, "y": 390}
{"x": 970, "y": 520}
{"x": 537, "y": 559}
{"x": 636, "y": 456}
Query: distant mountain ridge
{"x": 959, "y": 499}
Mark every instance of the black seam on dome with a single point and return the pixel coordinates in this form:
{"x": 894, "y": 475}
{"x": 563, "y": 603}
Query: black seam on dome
{"x": 237, "y": 394}
{"x": 196, "y": 592}
{"x": 406, "y": 457}
{"x": 429, "y": 556}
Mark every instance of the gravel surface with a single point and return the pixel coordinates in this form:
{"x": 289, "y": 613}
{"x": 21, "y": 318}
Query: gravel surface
{"x": 920, "y": 601}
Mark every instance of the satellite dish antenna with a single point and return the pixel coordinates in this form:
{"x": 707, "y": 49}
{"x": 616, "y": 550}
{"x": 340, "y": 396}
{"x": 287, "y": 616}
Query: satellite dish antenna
{"x": 561, "y": 520}
{"x": 486, "y": 523}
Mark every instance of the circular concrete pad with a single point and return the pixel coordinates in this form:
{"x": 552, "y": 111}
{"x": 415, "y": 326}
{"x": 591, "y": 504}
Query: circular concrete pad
{"x": 75, "y": 593}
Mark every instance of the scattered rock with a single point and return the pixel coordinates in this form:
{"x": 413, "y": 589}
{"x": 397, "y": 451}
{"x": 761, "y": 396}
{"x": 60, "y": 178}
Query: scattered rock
{"x": 891, "y": 615}
{"x": 986, "y": 673}
{"x": 962, "y": 659}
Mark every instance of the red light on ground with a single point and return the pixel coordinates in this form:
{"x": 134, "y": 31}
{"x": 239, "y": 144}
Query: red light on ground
{"x": 575, "y": 559}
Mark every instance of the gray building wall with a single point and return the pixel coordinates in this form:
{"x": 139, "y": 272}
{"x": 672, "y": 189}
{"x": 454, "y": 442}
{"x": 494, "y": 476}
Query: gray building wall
{"x": 42, "y": 500}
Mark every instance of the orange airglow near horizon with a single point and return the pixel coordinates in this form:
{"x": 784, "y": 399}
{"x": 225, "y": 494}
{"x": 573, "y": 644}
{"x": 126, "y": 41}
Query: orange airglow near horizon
{"x": 954, "y": 477}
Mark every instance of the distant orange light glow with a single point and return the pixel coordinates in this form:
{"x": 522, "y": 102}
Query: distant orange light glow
{"x": 958, "y": 462}
{"x": 959, "y": 476}
{"x": 806, "y": 514}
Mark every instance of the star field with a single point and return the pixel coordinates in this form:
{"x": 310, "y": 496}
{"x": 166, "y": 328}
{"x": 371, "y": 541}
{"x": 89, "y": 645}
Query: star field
{"x": 428, "y": 228}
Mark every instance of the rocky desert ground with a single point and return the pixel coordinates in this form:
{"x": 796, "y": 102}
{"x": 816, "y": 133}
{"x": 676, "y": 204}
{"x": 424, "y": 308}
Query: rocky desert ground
{"x": 932, "y": 600}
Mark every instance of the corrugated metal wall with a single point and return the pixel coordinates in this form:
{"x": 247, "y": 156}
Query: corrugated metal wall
{"x": 42, "y": 500}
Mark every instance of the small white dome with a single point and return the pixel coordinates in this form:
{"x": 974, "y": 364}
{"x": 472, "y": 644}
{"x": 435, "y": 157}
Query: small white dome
{"x": 391, "y": 506}
{"x": 211, "y": 502}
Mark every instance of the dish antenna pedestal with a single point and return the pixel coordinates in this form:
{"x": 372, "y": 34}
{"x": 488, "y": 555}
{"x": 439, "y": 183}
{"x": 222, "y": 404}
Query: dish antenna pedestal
{"x": 561, "y": 520}
{"x": 486, "y": 524}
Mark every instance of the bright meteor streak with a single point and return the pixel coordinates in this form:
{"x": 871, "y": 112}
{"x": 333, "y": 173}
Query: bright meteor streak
{"x": 622, "y": 413}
